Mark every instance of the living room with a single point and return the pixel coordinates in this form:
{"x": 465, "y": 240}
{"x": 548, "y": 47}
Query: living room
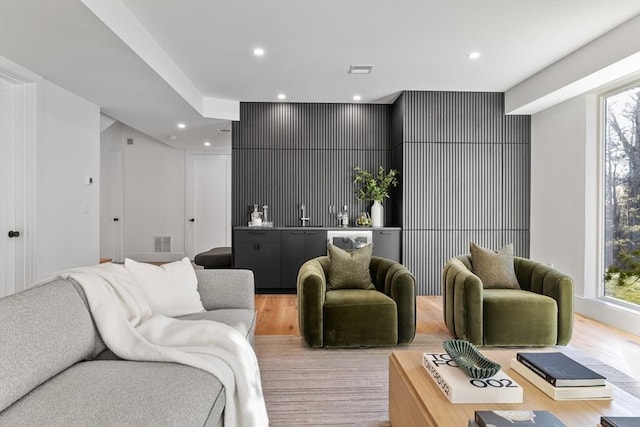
{"x": 520, "y": 123}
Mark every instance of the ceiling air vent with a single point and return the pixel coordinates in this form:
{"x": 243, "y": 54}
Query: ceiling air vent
{"x": 360, "y": 69}
{"x": 162, "y": 243}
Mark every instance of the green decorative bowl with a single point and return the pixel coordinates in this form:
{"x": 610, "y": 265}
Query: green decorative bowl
{"x": 470, "y": 360}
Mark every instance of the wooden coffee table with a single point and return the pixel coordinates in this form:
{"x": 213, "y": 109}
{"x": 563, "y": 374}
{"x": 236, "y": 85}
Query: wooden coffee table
{"x": 415, "y": 400}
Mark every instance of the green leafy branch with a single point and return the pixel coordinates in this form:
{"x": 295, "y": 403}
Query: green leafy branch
{"x": 374, "y": 187}
{"x": 628, "y": 268}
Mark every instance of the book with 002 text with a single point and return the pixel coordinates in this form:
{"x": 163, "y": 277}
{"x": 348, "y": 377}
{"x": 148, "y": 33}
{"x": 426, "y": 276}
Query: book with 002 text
{"x": 560, "y": 370}
{"x": 459, "y": 388}
{"x": 604, "y": 392}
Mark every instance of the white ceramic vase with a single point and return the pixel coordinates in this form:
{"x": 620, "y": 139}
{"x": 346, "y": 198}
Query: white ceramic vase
{"x": 377, "y": 214}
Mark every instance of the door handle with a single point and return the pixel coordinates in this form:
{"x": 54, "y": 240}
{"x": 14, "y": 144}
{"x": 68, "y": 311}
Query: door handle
{"x": 116, "y": 219}
{"x": 13, "y": 234}
{"x": 192, "y": 220}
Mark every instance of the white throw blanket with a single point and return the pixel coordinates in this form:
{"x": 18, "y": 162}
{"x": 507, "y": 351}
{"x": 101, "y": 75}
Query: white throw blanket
{"x": 132, "y": 332}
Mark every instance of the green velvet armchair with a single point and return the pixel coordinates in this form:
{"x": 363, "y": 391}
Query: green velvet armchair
{"x": 385, "y": 316}
{"x": 540, "y": 313}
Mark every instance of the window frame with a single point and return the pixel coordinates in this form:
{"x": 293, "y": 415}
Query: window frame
{"x": 601, "y": 167}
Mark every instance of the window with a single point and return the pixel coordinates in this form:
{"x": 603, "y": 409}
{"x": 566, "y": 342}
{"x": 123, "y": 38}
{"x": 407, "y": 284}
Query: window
{"x": 621, "y": 185}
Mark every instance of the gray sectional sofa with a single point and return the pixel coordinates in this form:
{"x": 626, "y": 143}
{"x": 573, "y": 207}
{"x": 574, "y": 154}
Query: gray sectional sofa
{"x": 56, "y": 371}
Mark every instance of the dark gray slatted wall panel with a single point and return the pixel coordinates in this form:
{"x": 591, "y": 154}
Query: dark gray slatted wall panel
{"x": 285, "y": 154}
{"x": 397, "y": 145}
{"x": 465, "y": 169}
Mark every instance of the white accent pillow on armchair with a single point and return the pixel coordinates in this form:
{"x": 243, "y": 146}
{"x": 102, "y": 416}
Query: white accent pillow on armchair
{"x": 171, "y": 289}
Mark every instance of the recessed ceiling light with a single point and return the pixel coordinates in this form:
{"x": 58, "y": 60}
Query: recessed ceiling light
{"x": 474, "y": 55}
{"x": 258, "y": 51}
{"x": 207, "y": 144}
{"x": 282, "y": 96}
{"x": 182, "y": 125}
{"x": 357, "y": 97}
{"x": 360, "y": 69}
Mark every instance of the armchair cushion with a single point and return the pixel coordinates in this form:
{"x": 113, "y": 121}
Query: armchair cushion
{"x": 359, "y": 318}
{"x": 519, "y": 318}
{"x": 495, "y": 269}
{"x": 350, "y": 270}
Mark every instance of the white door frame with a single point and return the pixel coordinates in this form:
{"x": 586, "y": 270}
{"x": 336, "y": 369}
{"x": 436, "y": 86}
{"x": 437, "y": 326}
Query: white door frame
{"x": 24, "y": 270}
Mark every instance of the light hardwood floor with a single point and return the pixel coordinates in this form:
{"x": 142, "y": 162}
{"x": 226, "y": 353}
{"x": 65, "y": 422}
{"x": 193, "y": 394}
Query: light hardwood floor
{"x": 278, "y": 315}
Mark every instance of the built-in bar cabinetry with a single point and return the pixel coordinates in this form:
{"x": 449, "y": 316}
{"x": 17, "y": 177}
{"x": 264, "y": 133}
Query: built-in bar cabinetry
{"x": 276, "y": 254}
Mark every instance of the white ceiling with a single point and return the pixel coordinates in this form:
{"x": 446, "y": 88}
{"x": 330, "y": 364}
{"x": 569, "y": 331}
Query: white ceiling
{"x": 309, "y": 44}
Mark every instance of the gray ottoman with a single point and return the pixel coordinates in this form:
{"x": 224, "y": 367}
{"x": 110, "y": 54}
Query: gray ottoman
{"x": 215, "y": 258}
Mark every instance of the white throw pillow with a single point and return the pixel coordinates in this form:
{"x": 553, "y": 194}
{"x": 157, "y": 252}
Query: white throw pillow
{"x": 171, "y": 289}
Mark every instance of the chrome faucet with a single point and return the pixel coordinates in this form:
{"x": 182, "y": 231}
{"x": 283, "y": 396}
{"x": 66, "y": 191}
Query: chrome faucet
{"x": 304, "y": 219}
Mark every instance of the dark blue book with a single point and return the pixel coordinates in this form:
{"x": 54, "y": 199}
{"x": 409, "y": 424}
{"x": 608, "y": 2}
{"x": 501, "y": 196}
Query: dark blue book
{"x": 517, "y": 418}
{"x": 620, "y": 421}
{"x": 560, "y": 370}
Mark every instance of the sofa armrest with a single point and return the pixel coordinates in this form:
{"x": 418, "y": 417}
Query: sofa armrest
{"x": 226, "y": 289}
{"x": 402, "y": 289}
{"x": 462, "y": 301}
{"x": 311, "y": 287}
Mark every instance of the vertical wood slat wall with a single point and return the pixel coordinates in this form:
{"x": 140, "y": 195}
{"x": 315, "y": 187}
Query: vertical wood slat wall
{"x": 464, "y": 169}
{"x": 465, "y": 172}
{"x": 285, "y": 154}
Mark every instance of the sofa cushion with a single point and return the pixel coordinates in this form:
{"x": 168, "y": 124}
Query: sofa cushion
{"x": 122, "y": 393}
{"x": 43, "y": 331}
{"x": 519, "y": 318}
{"x": 243, "y": 320}
{"x": 171, "y": 289}
{"x": 359, "y": 318}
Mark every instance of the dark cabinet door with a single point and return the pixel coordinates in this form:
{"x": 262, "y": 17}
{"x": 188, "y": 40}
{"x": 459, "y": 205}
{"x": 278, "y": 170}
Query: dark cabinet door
{"x": 268, "y": 276}
{"x": 299, "y": 246}
{"x": 259, "y": 251}
{"x": 386, "y": 244}
{"x": 315, "y": 243}
{"x": 292, "y": 257}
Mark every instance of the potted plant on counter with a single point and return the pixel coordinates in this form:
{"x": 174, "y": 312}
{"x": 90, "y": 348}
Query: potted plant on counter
{"x": 375, "y": 188}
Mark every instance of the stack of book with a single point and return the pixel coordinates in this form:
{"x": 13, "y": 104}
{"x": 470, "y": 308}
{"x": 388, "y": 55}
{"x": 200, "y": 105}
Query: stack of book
{"x": 561, "y": 377}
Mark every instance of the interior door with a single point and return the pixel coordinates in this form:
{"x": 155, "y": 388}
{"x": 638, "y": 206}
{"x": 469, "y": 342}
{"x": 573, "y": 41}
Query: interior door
{"x": 17, "y": 130}
{"x": 209, "y": 204}
{"x": 7, "y": 189}
{"x": 111, "y": 194}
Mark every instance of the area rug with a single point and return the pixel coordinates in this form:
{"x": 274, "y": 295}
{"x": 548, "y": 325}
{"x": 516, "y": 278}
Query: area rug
{"x": 348, "y": 387}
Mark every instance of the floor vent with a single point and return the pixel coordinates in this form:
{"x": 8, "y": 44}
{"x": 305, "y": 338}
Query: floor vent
{"x": 162, "y": 243}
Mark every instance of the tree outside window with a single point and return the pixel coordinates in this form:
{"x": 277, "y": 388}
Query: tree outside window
{"x": 622, "y": 195}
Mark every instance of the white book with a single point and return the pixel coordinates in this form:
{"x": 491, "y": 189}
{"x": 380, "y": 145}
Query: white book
{"x": 459, "y": 388}
{"x": 601, "y": 392}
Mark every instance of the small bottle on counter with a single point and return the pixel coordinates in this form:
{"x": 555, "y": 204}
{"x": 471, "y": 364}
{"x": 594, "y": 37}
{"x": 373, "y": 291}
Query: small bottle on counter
{"x": 345, "y": 217}
{"x": 256, "y": 217}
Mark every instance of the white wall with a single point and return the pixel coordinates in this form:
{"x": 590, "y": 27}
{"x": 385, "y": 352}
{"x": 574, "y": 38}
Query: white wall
{"x": 154, "y": 197}
{"x": 67, "y": 208}
{"x": 565, "y": 203}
